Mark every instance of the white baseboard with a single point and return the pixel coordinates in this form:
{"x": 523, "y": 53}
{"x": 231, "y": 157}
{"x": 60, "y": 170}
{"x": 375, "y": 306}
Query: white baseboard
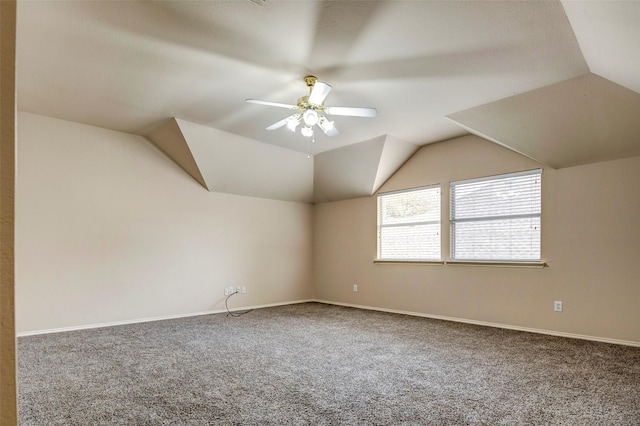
{"x": 160, "y": 318}
{"x": 329, "y": 302}
{"x": 488, "y": 324}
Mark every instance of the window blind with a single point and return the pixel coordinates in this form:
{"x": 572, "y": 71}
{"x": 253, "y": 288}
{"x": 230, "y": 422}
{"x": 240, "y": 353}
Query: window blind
{"x": 497, "y": 218}
{"x": 409, "y": 224}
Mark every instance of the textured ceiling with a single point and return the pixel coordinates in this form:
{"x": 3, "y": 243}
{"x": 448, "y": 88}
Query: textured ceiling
{"x": 131, "y": 66}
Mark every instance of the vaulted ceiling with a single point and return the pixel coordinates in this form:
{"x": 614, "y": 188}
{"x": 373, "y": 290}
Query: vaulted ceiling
{"x": 556, "y": 81}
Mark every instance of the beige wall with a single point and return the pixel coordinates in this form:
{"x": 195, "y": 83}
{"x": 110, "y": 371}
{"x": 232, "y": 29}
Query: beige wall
{"x": 590, "y": 239}
{"x": 108, "y": 229}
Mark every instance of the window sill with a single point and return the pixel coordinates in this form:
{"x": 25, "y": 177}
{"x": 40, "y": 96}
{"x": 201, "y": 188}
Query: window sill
{"x": 538, "y": 265}
{"x": 497, "y": 264}
{"x": 409, "y": 261}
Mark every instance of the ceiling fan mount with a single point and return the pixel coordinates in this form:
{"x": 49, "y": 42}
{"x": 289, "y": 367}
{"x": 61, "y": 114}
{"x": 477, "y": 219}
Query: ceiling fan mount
{"x": 311, "y": 111}
{"x": 310, "y": 80}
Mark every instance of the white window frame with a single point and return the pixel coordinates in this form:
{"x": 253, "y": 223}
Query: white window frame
{"x": 382, "y": 253}
{"x": 534, "y": 215}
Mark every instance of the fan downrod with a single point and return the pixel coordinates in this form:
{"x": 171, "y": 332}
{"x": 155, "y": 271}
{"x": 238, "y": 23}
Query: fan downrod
{"x": 310, "y": 80}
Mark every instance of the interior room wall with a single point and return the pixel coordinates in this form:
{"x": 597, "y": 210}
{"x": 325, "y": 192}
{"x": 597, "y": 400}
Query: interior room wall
{"x": 590, "y": 240}
{"x": 108, "y": 229}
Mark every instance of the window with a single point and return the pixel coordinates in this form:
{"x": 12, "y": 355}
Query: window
{"x": 496, "y": 218}
{"x": 409, "y": 224}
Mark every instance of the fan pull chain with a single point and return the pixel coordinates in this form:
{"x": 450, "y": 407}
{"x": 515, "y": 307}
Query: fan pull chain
{"x": 309, "y": 142}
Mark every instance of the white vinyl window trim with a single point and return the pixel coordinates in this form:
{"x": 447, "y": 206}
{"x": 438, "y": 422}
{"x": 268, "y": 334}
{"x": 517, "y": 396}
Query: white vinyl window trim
{"x": 409, "y": 225}
{"x": 496, "y": 218}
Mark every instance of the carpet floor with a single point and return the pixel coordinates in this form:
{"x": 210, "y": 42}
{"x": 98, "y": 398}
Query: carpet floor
{"x": 317, "y": 364}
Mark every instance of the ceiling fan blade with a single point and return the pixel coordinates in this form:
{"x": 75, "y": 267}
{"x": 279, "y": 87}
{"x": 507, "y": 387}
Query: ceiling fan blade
{"x": 319, "y": 93}
{"x": 353, "y": 112}
{"x": 268, "y": 103}
{"x": 331, "y": 132}
{"x": 278, "y": 124}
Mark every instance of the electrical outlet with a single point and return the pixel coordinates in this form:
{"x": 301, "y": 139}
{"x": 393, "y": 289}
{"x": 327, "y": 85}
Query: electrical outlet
{"x": 230, "y": 290}
{"x": 238, "y": 290}
{"x": 355, "y": 287}
{"x": 244, "y": 289}
{"x": 557, "y": 306}
{"x": 226, "y": 291}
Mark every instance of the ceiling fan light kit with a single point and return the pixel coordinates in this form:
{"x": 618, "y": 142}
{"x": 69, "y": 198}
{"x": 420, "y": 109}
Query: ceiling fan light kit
{"x": 310, "y": 117}
{"x": 327, "y": 126}
{"x": 311, "y": 110}
{"x": 293, "y": 121}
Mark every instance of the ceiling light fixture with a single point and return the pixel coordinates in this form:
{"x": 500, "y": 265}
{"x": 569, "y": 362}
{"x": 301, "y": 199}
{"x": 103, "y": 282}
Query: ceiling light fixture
{"x": 293, "y": 121}
{"x": 310, "y": 117}
{"x": 326, "y": 125}
{"x": 311, "y": 110}
{"x": 307, "y": 131}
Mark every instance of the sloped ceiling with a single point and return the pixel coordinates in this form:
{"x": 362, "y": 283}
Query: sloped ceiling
{"x": 133, "y": 66}
{"x": 578, "y": 121}
{"x": 170, "y": 139}
{"x": 608, "y": 33}
{"x": 360, "y": 169}
{"x": 219, "y": 162}
{"x": 224, "y": 162}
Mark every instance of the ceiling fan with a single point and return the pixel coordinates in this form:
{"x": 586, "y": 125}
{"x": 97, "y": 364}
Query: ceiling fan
{"x": 310, "y": 110}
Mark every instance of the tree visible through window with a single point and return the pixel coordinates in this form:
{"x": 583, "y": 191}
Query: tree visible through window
{"x": 497, "y": 218}
{"x": 409, "y": 224}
